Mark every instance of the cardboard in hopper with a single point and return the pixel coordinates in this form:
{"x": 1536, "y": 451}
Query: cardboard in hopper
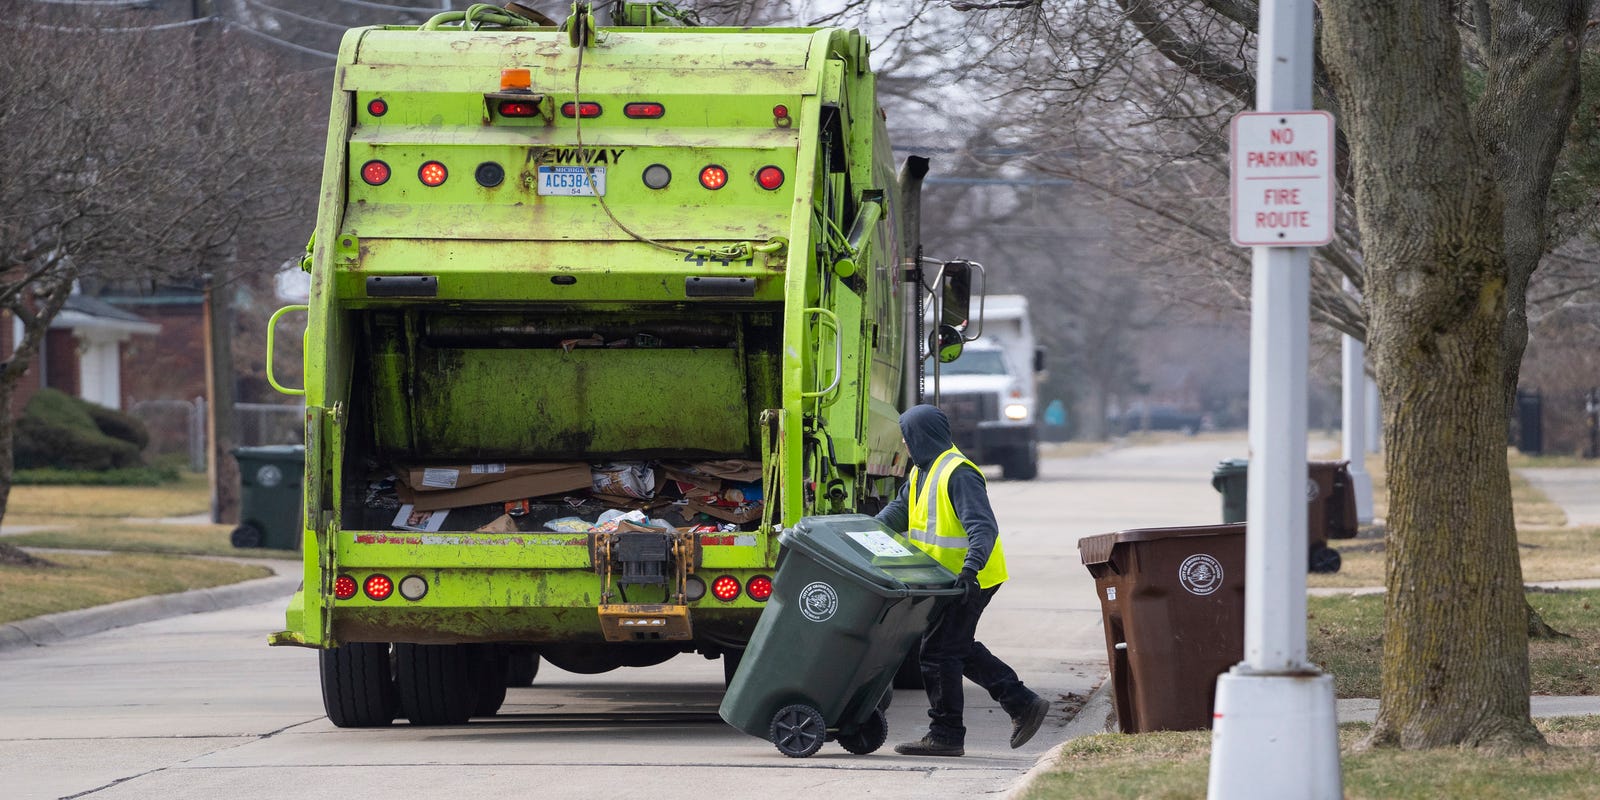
{"x": 432, "y": 488}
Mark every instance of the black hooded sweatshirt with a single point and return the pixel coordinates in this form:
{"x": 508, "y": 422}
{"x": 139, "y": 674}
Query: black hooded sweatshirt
{"x": 927, "y": 433}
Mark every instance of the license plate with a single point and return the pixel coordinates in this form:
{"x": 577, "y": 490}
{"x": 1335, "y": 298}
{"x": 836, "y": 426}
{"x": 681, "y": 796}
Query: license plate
{"x": 572, "y": 181}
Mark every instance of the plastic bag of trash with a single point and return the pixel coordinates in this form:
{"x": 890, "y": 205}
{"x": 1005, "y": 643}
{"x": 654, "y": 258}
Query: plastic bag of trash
{"x": 569, "y": 525}
{"x": 625, "y": 479}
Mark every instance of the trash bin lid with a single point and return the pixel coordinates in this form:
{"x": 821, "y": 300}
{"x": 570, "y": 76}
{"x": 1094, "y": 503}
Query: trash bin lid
{"x": 861, "y": 547}
{"x": 1098, "y": 549}
{"x": 1231, "y": 466}
{"x": 272, "y": 452}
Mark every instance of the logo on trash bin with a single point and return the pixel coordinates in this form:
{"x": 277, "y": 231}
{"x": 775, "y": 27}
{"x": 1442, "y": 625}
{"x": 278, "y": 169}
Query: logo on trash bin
{"x": 1200, "y": 574}
{"x": 818, "y": 601}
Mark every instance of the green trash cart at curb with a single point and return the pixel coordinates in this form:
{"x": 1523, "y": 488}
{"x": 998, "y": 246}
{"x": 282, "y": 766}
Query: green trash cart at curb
{"x": 270, "y": 501}
{"x": 849, "y": 599}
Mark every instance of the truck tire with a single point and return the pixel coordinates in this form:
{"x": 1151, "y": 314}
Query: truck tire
{"x": 436, "y": 683}
{"x": 358, "y": 688}
{"x": 522, "y": 665}
{"x": 909, "y": 675}
{"x": 490, "y": 663}
{"x": 1022, "y": 465}
{"x": 730, "y": 665}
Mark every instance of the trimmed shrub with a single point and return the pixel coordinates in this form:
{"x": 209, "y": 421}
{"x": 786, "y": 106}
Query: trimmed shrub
{"x": 131, "y": 476}
{"x": 58, "y": 430}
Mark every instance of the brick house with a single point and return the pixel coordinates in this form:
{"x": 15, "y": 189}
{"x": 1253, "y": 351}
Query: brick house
{"x": 82, "y": 353}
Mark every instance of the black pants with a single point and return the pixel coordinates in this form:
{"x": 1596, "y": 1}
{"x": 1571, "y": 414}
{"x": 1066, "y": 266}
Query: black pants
{"x": 949, "y": 652}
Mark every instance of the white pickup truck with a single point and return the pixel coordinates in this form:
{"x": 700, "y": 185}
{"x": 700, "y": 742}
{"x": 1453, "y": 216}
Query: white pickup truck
{"x": 990, "y": 393}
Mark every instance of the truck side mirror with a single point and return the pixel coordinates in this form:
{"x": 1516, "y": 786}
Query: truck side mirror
{"x": 1038, "y": 359}
{"x": 946, "y": 343}
{"x": 957, "y": 300}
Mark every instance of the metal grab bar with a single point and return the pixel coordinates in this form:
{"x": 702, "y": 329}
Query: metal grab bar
{"x": 838, "y": 350}
{"x": 272, "y": 328}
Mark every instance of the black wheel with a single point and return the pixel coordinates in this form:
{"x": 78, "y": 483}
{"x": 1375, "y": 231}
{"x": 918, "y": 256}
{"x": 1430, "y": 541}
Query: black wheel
{"x": 489, "y": 666}
{"x": 909, "y": 675}
{"x": 798, "y": 730}
{"x": 730, "y": 665}
{"x": 1022, "y": 465}
{"x": 246, "y": 535}
{"x": 522, "y": 665}
{"x": 435, "y": 682}
{"x": 867, "y": 738}
{"x": 1325, "y": 559}
{"x": 358, "y": 689}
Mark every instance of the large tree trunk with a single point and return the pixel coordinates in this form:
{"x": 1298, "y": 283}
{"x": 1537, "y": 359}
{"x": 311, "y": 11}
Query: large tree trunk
{"x": 1531, "y": 91}
{"x": 1455, "y": 661}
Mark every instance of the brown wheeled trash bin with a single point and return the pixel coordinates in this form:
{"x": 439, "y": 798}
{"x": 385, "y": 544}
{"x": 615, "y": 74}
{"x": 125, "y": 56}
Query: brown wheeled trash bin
{"x": 1172, "y": 600}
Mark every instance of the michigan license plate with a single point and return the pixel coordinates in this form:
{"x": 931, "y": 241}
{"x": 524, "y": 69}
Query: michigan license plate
{"x": 572, "y": 181}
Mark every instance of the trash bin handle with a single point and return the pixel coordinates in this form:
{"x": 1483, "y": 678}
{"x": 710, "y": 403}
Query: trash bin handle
{"x": 272, "y": 328}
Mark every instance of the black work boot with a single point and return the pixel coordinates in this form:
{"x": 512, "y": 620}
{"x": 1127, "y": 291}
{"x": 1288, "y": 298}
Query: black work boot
{"x": 1025, "y": 724}
{"x": 929, "y": 746}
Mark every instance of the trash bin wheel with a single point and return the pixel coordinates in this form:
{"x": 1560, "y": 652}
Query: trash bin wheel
{"x": 246, "y": 535}
{"x": 867, "y": 738}
{"x": 1325, "y": 560}
{"x": 798, "y": 730}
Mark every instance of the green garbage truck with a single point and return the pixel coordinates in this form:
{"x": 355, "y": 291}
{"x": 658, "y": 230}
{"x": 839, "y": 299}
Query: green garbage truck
{"x": 596, "y": 312}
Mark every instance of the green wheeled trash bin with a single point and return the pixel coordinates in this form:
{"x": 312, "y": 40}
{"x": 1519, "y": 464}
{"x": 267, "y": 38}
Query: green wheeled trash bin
{"x": 850, "y": 597}
{"x": 270, "y": 498}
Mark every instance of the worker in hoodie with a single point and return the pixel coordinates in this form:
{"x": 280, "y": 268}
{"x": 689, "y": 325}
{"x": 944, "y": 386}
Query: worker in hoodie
{"x": 944, "y": 510}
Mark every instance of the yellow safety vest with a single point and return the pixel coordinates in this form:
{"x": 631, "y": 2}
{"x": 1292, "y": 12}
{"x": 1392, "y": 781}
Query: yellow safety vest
{"x": 941, "y": 535}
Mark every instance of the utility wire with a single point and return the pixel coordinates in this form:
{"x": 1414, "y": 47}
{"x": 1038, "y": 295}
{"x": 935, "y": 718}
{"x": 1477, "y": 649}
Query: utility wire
{"x": 270, "y": 9}
{"x": 233, "y": 26}
{"x": 141, "y": 29}
{"x": 428, "y": 11}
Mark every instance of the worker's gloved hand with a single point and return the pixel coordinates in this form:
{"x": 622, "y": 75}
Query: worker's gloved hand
{"x": 967, "y": 582}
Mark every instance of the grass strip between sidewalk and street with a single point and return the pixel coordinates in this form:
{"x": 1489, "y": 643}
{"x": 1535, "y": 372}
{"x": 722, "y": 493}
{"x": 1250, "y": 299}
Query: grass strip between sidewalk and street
{"x": 1176, "y": 765}
{"x": 199, "y": 540}
{"x": 1344, "y": 636}
{"x": 82, "y": 580}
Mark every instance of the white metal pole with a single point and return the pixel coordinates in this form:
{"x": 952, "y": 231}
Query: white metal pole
{"x": 1354, "y": 394}
{"x": 1274, "y": 733}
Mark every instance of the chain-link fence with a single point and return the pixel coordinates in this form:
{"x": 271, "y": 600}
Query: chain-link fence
{"x": 179, "y": 427}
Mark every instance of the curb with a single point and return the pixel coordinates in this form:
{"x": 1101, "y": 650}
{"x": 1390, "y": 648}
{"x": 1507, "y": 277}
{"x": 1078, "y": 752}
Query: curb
{"x": 1090, "y": 720}
{"x": 52, "y": 628}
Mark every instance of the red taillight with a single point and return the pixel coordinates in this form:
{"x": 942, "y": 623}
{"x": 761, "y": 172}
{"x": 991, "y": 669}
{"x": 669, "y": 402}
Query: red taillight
{"x": 377, "y": 108}
{"x": 770, "y": 177}
{"x": 713, "y": 177}
{"x": 344, "y": 587}
{"x": 725, "y": 588}
{"x": 432, "y": 173}
{"x": 780, "y": 112}
{"x": 644, "y": 110}
{"x": 518, "y": 108}
{"x": 379, "y": 587}
{"x": 586, "y": 110}
{"x": 759, "y": 587}
{"x": 375, "y": 173}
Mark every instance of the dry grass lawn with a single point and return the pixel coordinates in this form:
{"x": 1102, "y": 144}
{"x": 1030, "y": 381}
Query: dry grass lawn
{"x": 53, "y": 505}
{"x": 1175, "y": 766}
{"x": 80, "y": 580}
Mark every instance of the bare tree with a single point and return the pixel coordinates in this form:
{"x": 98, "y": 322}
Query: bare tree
{"x": 1454, "y": 117}
{"x": 132, "y": 154}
